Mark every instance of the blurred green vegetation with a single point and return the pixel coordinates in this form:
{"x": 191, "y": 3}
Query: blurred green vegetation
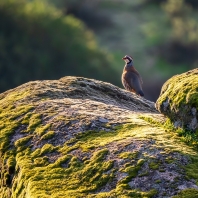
{"x": 176, "y": 41}
{"x": 50, "y": 39}
{"x": 162, "y": 37}
{"x": 181, "y": 44}
{"x": 38, "y": 42}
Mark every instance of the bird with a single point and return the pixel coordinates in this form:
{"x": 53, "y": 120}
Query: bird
{"x": 131, "y": 79}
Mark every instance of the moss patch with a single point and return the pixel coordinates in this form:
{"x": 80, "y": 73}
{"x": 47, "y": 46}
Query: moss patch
{"x": 179, "y": 100}
{"x": 128, "y": 155}
{"x": 181, "y": 135}
{"x": 192, "y": 168}
{"x": 88, "y": 140}
{"x": 48, "y": 149}
{"x": 10, "y": 120}
{"x": 132, "y": 171}
{"x": 78, "y": 177}
{"x": 153, "y": 165}
{"x": 48, "y": 135}
{"x": 181, "y": 89}
{"x": 185, "y": 135}
{"x": 187, "y": 193}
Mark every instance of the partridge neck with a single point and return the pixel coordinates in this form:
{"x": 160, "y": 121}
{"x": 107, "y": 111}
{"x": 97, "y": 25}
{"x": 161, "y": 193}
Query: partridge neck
{"x": 129, "y": 65}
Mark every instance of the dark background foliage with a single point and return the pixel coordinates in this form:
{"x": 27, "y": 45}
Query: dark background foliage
{"x": 38, "y": 42}
{"x": 49, "y": 39}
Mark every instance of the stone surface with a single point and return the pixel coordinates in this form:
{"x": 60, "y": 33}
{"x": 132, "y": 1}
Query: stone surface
{"x": 179, "y": 100}
{"x": 78, "y": 137}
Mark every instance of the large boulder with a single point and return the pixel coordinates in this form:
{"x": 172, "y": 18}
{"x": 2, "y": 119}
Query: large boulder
{"x": 179, "y": 100}
{"x": 78, "y": 137}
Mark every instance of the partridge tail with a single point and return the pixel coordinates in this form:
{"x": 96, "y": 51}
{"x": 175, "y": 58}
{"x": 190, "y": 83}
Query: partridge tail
{"x": 141, "y": 93}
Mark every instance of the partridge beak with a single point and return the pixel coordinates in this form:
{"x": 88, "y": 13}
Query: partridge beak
{"x": 123, "y": 58}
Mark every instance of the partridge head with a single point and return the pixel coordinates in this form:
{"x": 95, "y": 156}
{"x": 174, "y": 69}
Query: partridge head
{"x": 128, "y": 59}
{"x": 131, "y": 79}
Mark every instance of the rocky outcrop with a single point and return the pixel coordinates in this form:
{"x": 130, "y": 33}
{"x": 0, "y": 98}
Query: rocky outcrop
{"x": 179, "y": 100}
{"x": 78, "y": 137}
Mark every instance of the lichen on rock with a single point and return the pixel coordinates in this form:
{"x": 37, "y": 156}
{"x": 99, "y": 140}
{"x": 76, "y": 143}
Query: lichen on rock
{"x": 179, "y": 100}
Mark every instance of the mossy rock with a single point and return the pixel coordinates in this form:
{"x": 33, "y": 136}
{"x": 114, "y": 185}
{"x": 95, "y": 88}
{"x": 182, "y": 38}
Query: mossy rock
{"x": 179, "y": 100}
{"x": 78, "y": 137}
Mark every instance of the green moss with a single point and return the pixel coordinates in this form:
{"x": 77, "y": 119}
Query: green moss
{"x": 132, "y": 171}
{"x": 151, "y": 193}
{"x": 47, "y": 148}
{"x": 20, "y": 95}
{"x": 88, "y": 140}
{"x": 22, "y": 141}
{"x": 187, "y": 193}
{"x": 158, "y": 181}
{"x": 154, "y": 165}
{"x": 41, "y": 129}
{"x": 11, "y": 162}
{"x": 53, "y": 171}
{"x": 41, "y": 161}
{"x": 180, "y": 95}
{"x": 192, "y": 168}
{"x": 185, "y": 135}
{"x": 76, "y": 178}
{"x": 169, "y": 160}
{"x": 128, "y": 155}
{"x": 136, "y": 193}
{"x": 26, "y": 118}
{"x": 124, "y": 190}
{"x": 34, "y": 122}
{"x": 143, "y": 174}
{"x": 48, "y": 135}
{"x": 10, "y": 120}
{"x": 185, "y": 85}
{"x": 62, "y": 160}
{"x": 150, "y": 120}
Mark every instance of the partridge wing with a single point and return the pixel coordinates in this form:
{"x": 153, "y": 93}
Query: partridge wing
{"x": 134, "y": 82}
